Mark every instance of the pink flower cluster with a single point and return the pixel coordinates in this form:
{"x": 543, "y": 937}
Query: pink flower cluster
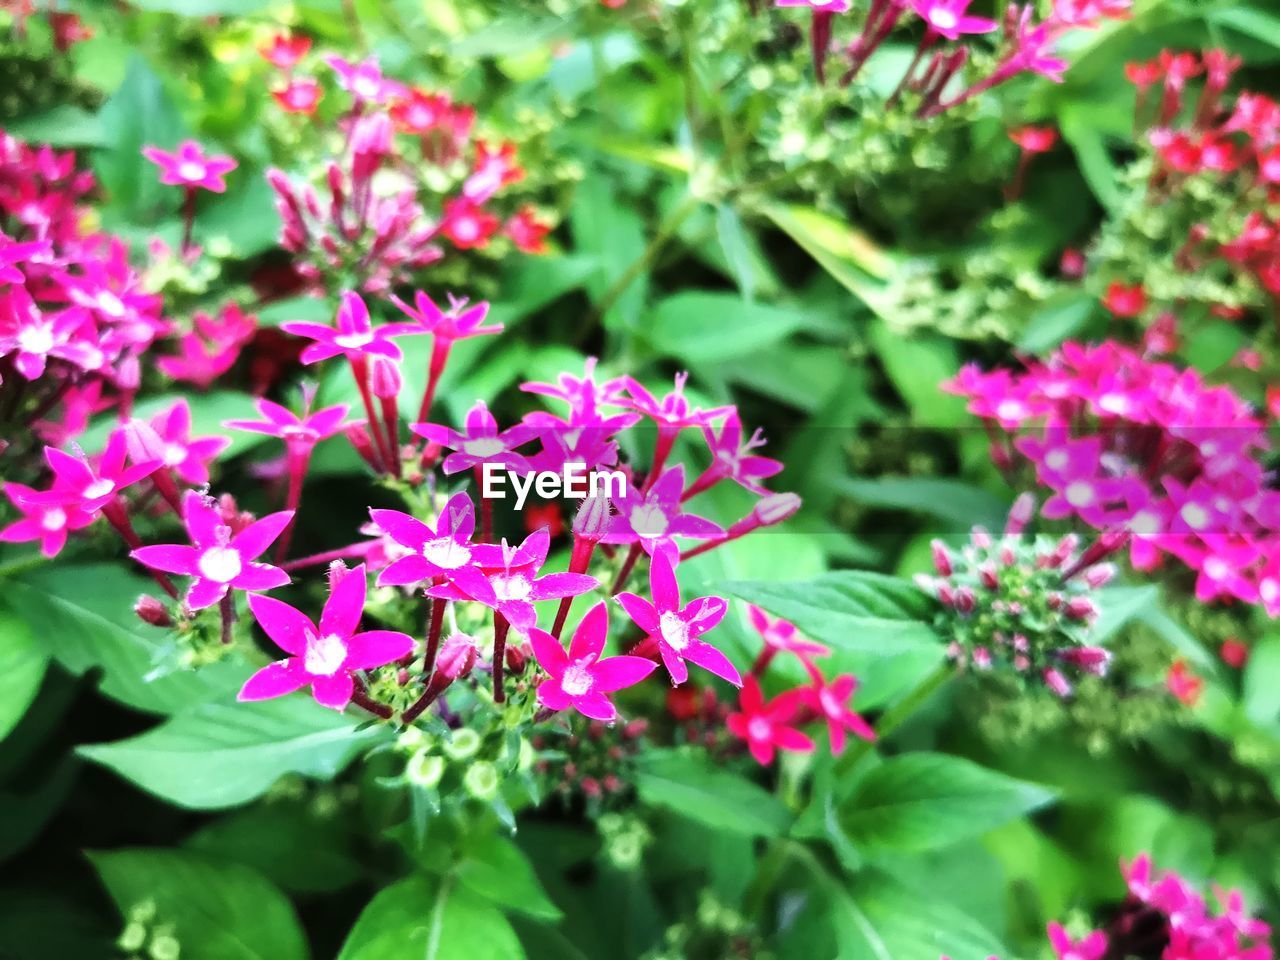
{"x": 75, "y": 318}
{"x": 1027, "y": 43}
{"x": 771, "y": 725}
{"x": 1127, "y": 443}
{"x": 382, "y": 238}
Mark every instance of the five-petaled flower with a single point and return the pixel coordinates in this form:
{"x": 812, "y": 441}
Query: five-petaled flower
{"x": 189, "y": 166}
{"x": 354, "y": 335}
{"x": 323, "y": 657}
{"x": 580, "y": 678}
{"x": 218, "y": 560}
{"x": 437, "y": 551}
{"x": 768, "y": 727}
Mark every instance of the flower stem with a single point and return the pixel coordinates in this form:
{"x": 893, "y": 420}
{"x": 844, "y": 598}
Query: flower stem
{"x": 188, "y": 219}
{"x": 226, "y": 607}
{"x": 298, "y": 461}
{"x": 434, "y": 629}
{"x": 628, "y": 565}
{"x": 500, "y": 627}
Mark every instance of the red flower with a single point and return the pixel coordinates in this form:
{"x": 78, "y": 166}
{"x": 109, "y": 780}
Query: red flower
{"x": 767, "y": 726}
{"x": 1184, "y": 684}
{"x": 1034, "y": 139}
{"x": 301, "y": 95}
{"x": 284, "y": 51}
{"x": 468, "y": 225}
{"x": 1234, "y": 652}
{"x": 527, "y": 232}
{"x": 1125, "y": 301}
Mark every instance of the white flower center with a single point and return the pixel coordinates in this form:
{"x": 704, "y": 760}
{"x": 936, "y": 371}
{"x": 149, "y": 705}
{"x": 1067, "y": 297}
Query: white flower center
{"x": 220, "y": 564}
{"x": 466, "y": 228}
{"x": 446, "y": 553}
{"x": 110, "y": 304}
{"x": 174, "y": 454}
{"x": 1269, "y": 589}
{"x": 943, "y": 19}
{"x": 36, "y": 339}
{"x": 484, "y": 447}
{"x": 649, "y": 521}
{"x": 325, "y": 655}
{"x": 577, "y": 679}
{"x": 831, "y": 706}
{"x": 99, "y": 488}
{"x": 511, "y": 587}
{"x": 1056, "y": 459}
{"x": 1010, "y": 410}
{"x": 1080, "y": 494}
{"x": 350, "y": 341}
{"x": 191, "y": 170}
{"x": 1216, "y": 568}
{"x": 365, "y": 87}
{"x": 758, "y": 728}
{"x": 1116, "y": 403}
{"x": 54, "y": 519}
{"x": 1196, "y": 516}
{"x": 1145, "y": 523}
{"x": 674, "y": 630}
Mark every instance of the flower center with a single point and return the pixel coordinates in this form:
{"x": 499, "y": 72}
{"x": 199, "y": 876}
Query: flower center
{"x": 466, "y": 228}
{"x": 943, "y": 19}
{"x": 365, "y": 87}
{"x": 37, "y": 339}
{"x": 648, "y": 520}
{"x": 191, "y": 170}
{"x": 577, "y": 679}
{"x": 1196, "y": 516}
{"x": 484, "y": 447}
{"x": 511, "y": 587}
{"x": 352, "y": 341}
{"x": 674, "y": 630}
{"x": 446, "y": 553}
{"x": 758, "y": 728}
{"x": 220, "y": 564}
{"x": 54, "y": 519}
{"x": 1080, "y": 494}
{"x": 110, "y": 304}
{"x": 831, "y": 706}
{"x": 1010, "y": 410}
{"x": 325, "y": 655}
{"x": 99, "y": 488}
{"x": 174, "y": 454}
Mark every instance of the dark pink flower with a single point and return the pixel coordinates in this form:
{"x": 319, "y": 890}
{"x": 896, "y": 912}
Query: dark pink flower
{"x": 285, "y": 50}
{"x": 92, "y": 486}
{"x": 948, "y": 18}
{"x": 326, "y": 656}
{"x": 480, "y": 443}
{"x": 1092, "y": 947}
{"x": 652, "y": 519}
{"x": 461, "y": 321}
{"x": 732, "y": 458}
{"x": 296, "y": 431}
{"x": 190, "y": 167}
{"x": 829, "y": 700}
{"x": 353, "y": 334}
{"x": 299, "y": 95}
{"x": 767, "y": 727}
{"x": 432, "y": 551}
{"x": 364, "y": 80}
{"x": 467, "y": 224}
{"x": 218, "y": 559}
{"x": 170, "y": 442}
{"x": 580, "y": 678}
{"x": 48, "y": 521}
{"x": 676, "y": 630}
{"x": 782, "y": 636}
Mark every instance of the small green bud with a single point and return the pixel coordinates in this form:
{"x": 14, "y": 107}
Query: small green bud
{"x": 481, "y": 780}
{"x": 134, "y": 936}
{"x": 165, "y": 947}
{"x": 463, "y": 744}
{"x": 424, "y": 769}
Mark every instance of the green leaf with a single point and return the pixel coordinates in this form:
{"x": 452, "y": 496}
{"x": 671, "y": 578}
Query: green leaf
{"x": 828, "y": 239}
{"x": 1262, "y": 683}
{"x": 221, "y": 755}
{"x": 22, "y": 666}
{"x": 1211, "y": 347}
{"x": 1057, "y": 320}
{"x": 1249, "y": 21}
{"x": 960, "y": 504}
{"x": 498, "y": 870}
{"x": 24, "y": 813}
{"x": 82, "y": 616}
{"x": 737, "y": 250}
{"x": 1099, "y": 170}
{"x": 244, "y": 217}
{"x": 923, "y": 801}
{"x": 850, "y": 610}
{"x": 917, "y": 366}
{"x": 605, "y": 225}
{"x": 434, "y": 920}
{"x": 63, "y": 126}
{"x": 219, "y": 911}
{"x": 705, "y": 327}
{"x": 203, "y": 8}
{"x": 688, "y": 785}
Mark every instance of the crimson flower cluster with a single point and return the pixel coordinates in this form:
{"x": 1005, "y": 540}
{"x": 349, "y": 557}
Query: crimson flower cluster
{"x": 1027, "y": 43}
{"x": 383, "y": 214}
{"x": 1126, "y": 443}
{"x": 768, "y": 726}
{"x": 74, "y": 315}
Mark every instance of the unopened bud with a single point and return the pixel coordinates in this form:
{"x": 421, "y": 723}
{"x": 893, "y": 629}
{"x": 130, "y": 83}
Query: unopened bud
{"x": 457, "y": 657}
{"x": 1056, "y": 682}
{"x": 1081, "y": 608}
{"x": 481, "y": 780}
{"x": 776, "y": 508}
{"x": 385, "y": 379}
{"x": 965, "y": 600}
{"x": 1090, "y": 659}
{"x": 1099, "y": 575}
{"x": 152, "y": 611}
{"x": 987, "y": 574}
{"x": 1020, "y": 514}
{"x": 424, "y": 769}
{"x": 515, "y": 659}
{"x": 592, "y": 521}
{"x": 941, "y": 559}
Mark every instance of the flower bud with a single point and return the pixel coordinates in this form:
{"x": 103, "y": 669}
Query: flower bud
{"x": 1056, "y": 682}
{"x": 1081, "y": 608}
{"x": 965, "y": 600}
{"x": 987, "y": 574}
{"x": 463, "y": 744}
{"x": 1099, "y": 575}
{"x": 941, "y": 559}
{"x": 776, "y": 508}
{"x": 424, "y": 769}
{"x": 515, "y": 659}
{"x": 1020, "y": 514}
{"x": 457, "y": 657}
{"x": 152, "y": 611}
{"x": 1093, "y": 660}
{"x": 385, "y": 379}
{"x": 481, "y": 780}
{"x": 592, "y": 520}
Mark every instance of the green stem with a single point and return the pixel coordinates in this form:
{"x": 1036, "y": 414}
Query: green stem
{"x": 895, "y": 716}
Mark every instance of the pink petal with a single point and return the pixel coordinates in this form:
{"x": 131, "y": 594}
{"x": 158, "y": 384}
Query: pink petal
{"x": 551, "y": 696}
{"x": 254, "y": 539}
{"x": 376, "y": 648}
{"x": 458, "y": 519}
{"x": 519, "y": 613}
{"x": 662, "y": 583}
{"x": 333, "y": 692}
{"x": 675, "y": 666}
{"x": 640, "y": 610}
{"x": 205, "y": 593}
{"x": 309, "y": 330}
{"x": 201, "y": 518}
{"x": 274, "y": 680}
{"x": 260, "y": 576}
{"x": 615, "y": 673}
{"x": 342, "y": 611}
{"x": 403, "y": 529}
{"x": 589, "y": 638}
{"x": 70, "y": 471}
{"x": 170, "y": 558}
{"x": 405, "y": 571}
{"x": 793, "y": 740}
{"x": 556, "y": 585}
{"x": 711, "y": 659}
{"x": 596, "y": 706}
{"x": 669, "y": 486}
{"x": 548, "y": 652}
{"x": 287, "y": 626}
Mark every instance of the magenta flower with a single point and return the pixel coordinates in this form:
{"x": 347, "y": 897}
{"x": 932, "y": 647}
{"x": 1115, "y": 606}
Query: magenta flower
{"x": 446, "y": 328}
{"x": 218, "y": 560}
{"x": 198, "y": 362}
{"x": 829, "y": 701}
{"x": 673, "y": 411}
{"x": 364, "y": 80}
{"x": 46, "y": 521}
{"x": 674, "y": 629}
{"x": 767, "y": 727}
{"x": 437, "y": 551}
{"x": 13, "y": 253}
{"x": 781, "y": 636}
{"x": 353, "y": 335}
{"x": 1092, "y": 947}
{"x": 652, "y": 519}
{"x": 93, "y": 486}
{"x": 820, "y": 6}
{"x": 296, "y": 431}
{"x": 585, "y": 396}
{"x": 33, "y": 337}
{"x": 189, "y": 457}
{"x": 732, "y": 458}
{"x": 322, "y": 657}
{"x": 509, "y": 583}
{"x": 190, "y": 167}
{"x": 580, "y": 678}
{"x": 481, "y": 442}
{"x": 948, "y": 18}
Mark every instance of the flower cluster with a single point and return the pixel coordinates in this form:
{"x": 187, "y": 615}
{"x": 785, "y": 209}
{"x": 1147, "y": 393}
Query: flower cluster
{"x": 1019, "y": 606}
{"x": 410, "y": 180}
{"x": 1126, "y": 443}
{"x": 1027, "y": 44}
{"x": 75, "y": 318}
{"x": 771, "y": 725}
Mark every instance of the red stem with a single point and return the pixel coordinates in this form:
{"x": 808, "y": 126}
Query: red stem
{"x": 579, "y": 560}
{"x": 500, "y": 627}
{"x": 628, "y": 565}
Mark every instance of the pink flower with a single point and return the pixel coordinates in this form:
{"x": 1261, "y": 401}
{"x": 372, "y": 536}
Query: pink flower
{"x": 364, "y": 80}
{"x": 467, "y": 224}
{"x": 782, "y": 636}
{"x": 821, "y": 6}
{"x": 676, "y": 630}
{"x": 509, "y": 583}
{"x": 493, "y": 170}
{"x": 767, "y": 727}
{"x": 33, "y": 337}
{"x": 732, "y": 458}
{"x": 199, "y": 362}
{"x": 353, "y": 334}
{"x": 580, "y": 678}
{"x": 461, "y": 321}
{"x": 1183, "y": 683}
{"x": 189, "y": 167}
{"x": 90, "y": 487}
{"x": 299, "y": 95}
{"x": 170, "y": 442}
{"x": 1092, "y": 947}
{"x": 434, "y": 551}
{"x": 13, "y": 253}
{"x": 948, "y": 18}
{"x": 285, "y": 51}
{"x": 481, "y": 442}
{"x": 296, "y": 431}
{"x": 48, "y": 521}
{"x": 218, "y": 560}
{"x": 322, "y": 657}
{"x": 529, "y": 233}
{"x": 585, "y": 397}
{"x": 654, "y": 518}
{"x": 1034, "y": 139}
{"x": 829, "y": 700}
